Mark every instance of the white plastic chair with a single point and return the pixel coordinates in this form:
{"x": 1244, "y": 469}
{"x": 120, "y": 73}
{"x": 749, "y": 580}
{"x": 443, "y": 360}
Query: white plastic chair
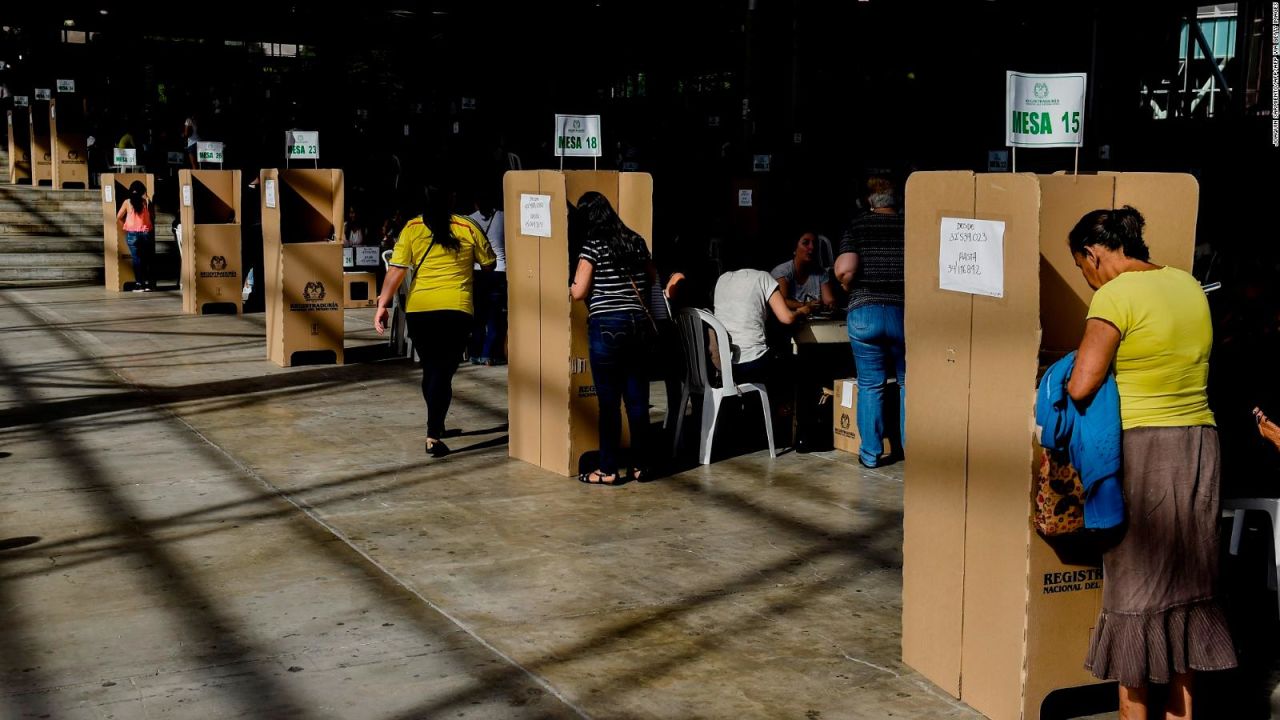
{"x": 1271, "y": 506}
{"x": 399, "y": 339}
{"x": 693, "y": 337}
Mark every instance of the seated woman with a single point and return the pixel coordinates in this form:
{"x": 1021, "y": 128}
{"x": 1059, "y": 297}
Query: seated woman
{"x": 802, "y": 280}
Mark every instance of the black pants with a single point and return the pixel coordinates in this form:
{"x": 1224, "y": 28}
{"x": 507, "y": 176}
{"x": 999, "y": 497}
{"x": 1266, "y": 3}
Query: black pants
{"x": 439, "y": 336}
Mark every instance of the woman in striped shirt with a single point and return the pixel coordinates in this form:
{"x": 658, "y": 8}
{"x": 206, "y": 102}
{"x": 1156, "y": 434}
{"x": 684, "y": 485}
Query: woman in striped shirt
{"x": 613, "y": 276}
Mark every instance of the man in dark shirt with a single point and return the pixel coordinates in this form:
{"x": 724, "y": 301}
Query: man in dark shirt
{"x": 869, "y": 265}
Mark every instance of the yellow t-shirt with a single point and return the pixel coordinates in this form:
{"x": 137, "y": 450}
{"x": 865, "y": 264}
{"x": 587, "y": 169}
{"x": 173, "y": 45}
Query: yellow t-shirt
{"x": 445, "y": 279}
{"x": 1162, "y": 364}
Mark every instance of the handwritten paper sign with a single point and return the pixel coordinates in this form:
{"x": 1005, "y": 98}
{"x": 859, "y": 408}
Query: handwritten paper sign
{"x": 971, "y": 256}
{"x": 269, "y": 193}
{"x": 366, "y": 256}
{"x": 107, "y": 194}
{"x": 535, "y": 215}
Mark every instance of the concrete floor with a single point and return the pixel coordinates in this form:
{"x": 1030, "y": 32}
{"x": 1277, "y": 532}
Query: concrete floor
{"x": 189, "y": 531}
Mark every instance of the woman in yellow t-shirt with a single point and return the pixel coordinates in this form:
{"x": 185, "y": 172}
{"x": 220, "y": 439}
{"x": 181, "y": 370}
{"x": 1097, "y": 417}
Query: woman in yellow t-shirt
{"x": 1159, "y": 621}
{"x": 440, "y": 249}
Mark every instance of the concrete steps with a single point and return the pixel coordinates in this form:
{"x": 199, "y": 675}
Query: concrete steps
{"x": 54, "y": 237}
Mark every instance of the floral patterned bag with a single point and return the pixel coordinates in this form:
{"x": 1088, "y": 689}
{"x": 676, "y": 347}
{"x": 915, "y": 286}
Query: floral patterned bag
{"x": 1059, "y": 496}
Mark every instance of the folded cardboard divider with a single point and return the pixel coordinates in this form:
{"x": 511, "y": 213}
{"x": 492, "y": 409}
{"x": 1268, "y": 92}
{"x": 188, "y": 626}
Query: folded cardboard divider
{"x": 18, "y": 122}
{"x": 40, "y": 142}
{"x": 554, "y": 417}
{"x": 117, "y": 260}
{"x": 992, "y": 612}
{"x": 68, "y": 141}
{"x": 302, "y": 213}
{"x": 212, "y": 265}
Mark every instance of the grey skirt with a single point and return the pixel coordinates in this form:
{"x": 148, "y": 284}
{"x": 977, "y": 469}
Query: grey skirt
{"x": 1159, "y": 616}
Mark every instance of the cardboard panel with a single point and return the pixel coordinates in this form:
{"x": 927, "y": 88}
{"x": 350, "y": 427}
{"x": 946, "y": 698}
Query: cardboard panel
{"x": 557, "y": 325}
{"x": 117, "y": 261}
{"x": 67, "y": 138}
{"x": 938, "y": 327}
{"x": 1064, "y": 295}
{"x": 219, "y": 275}
{"x": 311, "y": 304}
{"x": 19, "y": 146}
{"x": 524, "y": 371}
{"x": 41, "y": 150}
{"x": 1002, "y": 388}
{"x": 1169, "y": 202}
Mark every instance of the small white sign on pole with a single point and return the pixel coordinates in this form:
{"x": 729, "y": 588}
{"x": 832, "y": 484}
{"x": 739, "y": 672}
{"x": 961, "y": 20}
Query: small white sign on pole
{"x": 998, "y": 161}
{"x": 1044, "y": 110}
{"x": 21, "y": 101}
{"x": 44, "y": 94}
{"x": 368, "y": 256}
{"x": 66, "y": 86}
{"x": 971, "y": 256}
{"x": 186, "y": 196}
{"x": 348, "y": 257}
{"x": 744, "y": 198}
{"x": 210, "y": 152}
{"x": 269, "y": 193}
{"x": 535, "y": 215}
{"x": 124, "y": 157}
{"x": 578, "y": 136}
{"x": 302, "y": 144}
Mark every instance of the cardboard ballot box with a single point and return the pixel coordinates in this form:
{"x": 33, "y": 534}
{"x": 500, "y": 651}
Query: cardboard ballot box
{"x": 212, "y": 267}
{"x": 117, "y": 260}
{"x": 991, "y": 612}
{"x": 67, "y": 141}
{"x": 39, "y": 140}
{"x": 554, "y": 416}
{"x": 302, "y": 254}
{"x": 18, "y": 122}
{"x": 844, "y": 416}
{"x": 359, "y": 289}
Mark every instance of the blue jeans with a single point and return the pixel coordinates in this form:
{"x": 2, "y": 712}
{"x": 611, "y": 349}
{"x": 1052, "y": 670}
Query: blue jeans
{"x": 141, "y": 248}
{"x": 620, "y": 345}
{"x": 878, "y": 339}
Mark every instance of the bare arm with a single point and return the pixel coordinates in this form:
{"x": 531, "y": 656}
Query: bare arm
{"x": 1093, "y": 359}
{"x": 395, "y": 276}
{"x": 673, "y": 284}
{"x": 581, "y": 280}
{"x": 784, "y": 289}
{"x": 785, "y": 315}
{"x": 124, "y": 208}
{"x": 846, "y": 268}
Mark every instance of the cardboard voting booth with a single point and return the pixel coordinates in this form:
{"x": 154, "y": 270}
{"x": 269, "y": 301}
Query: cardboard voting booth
{"x": 992, "y": 613}
{"x": 18, "y": 121}
{"x": 117, "y": 261}
{"x": 41, "y": 151}
{"x": 302, "y": 212}
{"x": 554, "y": 417}
{"x": 70, "y": 155}
{"x": 212, "y": 268}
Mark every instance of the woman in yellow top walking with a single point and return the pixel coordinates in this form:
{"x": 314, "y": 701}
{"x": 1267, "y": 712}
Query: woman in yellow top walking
{"x": 441, "y": 249}
{"x": 1160, "y": 621}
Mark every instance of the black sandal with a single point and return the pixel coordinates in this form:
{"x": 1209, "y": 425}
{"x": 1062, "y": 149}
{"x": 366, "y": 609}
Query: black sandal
{"x": 586, "y": 478}
{"x": 436, "y": 448}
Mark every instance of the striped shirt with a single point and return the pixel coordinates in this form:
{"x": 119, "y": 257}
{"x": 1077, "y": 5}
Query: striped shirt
{"x": 611, "y": 284}
{"x": 878, "y": 240}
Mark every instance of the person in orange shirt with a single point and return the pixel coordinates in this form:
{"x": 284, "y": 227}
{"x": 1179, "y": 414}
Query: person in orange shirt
{"x": 138, "y": 215}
